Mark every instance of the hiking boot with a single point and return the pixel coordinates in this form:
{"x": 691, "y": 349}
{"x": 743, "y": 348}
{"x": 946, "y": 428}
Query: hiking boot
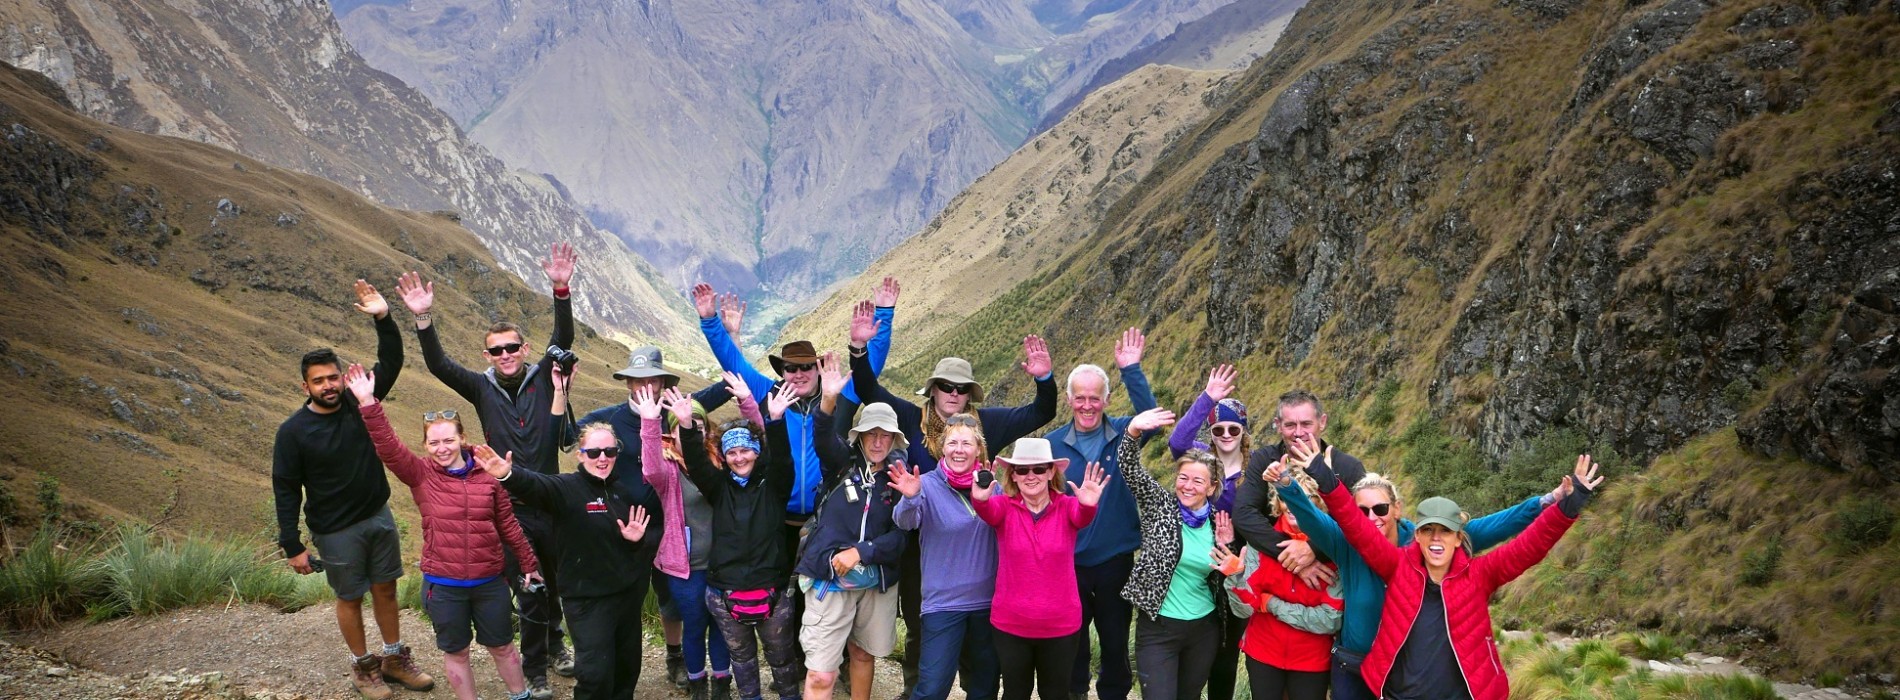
{"x": 400, "y": 668}
{"x": 563, "y": 662}
{"x": 696, "y": 688}
{"x": 367, "y": 675}
{"x": 676, "y": 668}
{"x": 721, "y": 688}
{"x": 538, "y": 689}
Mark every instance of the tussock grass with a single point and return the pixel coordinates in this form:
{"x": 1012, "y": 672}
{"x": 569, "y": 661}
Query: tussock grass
{"x": 48, "y": 580}
{"x": 1597, "y": 669}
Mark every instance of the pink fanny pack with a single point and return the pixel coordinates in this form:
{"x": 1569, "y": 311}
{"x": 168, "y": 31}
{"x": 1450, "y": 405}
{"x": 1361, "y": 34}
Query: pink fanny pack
{"x": 751, "y": 607}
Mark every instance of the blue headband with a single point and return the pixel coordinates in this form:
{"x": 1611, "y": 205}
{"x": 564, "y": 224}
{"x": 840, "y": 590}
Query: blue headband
{"x": 738, "y": 437}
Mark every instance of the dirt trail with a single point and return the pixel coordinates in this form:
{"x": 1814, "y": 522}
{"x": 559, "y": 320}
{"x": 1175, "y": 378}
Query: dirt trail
{"x": 248, "y": 650}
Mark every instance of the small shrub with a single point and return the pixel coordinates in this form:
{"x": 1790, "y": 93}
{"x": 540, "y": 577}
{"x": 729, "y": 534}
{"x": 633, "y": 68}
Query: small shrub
{"x": 1830, "y": 679}
{"x": 1861, "y": 524}
{"x": 48, "y": 581}
{"x": 1759, "y": 566}
{"x": 9, "y": 506}
{"x": 51, "y": 505}
{"x": 1732, "y": 688}
{"x": 1382, "y": 410}
{"x": 1650, "y": 646}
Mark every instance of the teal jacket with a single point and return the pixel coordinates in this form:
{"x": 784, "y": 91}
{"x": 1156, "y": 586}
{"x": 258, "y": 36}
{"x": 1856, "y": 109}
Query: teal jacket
{"x": 1365, "y": 591}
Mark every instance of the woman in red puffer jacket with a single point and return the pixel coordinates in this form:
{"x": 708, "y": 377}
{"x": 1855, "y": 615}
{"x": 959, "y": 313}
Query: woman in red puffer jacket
{"x": 466, "y": 516}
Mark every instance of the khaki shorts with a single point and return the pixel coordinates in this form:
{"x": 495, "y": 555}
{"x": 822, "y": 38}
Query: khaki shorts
{"x": 867, "y": 618}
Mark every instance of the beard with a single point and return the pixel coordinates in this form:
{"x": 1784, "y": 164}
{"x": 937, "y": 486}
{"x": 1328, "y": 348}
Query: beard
{"x": 329, "y": 404}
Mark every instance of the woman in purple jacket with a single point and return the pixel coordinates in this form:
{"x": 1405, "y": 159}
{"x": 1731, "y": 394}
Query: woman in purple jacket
{"x": 959, "y": 566}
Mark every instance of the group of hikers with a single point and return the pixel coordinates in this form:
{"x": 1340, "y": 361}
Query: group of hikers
{"x": 833, "y": 506}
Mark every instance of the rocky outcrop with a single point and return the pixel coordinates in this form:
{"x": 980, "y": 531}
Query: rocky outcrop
{"x": 771, "y": 148}
{"x": 277, "y": 81}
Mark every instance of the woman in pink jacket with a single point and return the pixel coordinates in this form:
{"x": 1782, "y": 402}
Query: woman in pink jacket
{"x": 1036, "y": 611}
{"x": 466, "y": 516}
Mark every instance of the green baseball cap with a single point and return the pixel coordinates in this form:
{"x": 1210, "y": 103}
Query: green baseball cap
{"x": 1441, "y": 511}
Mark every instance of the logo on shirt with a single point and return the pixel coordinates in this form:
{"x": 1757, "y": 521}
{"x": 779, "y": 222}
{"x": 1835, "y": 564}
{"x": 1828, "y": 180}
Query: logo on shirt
{"x": 598, "y": 505}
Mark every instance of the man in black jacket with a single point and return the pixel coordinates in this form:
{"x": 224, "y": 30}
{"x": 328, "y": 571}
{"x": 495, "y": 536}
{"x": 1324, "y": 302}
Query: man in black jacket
{"x": 514, "y": 399}
{"x": 324, "y": 464}
{"x": 1298, "y": 417}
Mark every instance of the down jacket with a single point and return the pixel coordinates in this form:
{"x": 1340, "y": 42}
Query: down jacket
{"x": 464, "y": 518}
{"x": 1467, "y": 591}
{"x": 1160, "y": 537}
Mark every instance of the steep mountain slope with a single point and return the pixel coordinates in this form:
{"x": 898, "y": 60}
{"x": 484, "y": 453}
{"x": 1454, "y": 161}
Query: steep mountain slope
{"x": 1482, "y": 227}
{"x": 160, "y": 292}
{"x": 1021, "y": 217}
{"x": 766, "y": 147}
{"x": 276, "y": 81}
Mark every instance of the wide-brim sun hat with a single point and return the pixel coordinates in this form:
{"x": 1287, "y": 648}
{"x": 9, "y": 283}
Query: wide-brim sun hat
{"x": 797, "y": 352}
{"x": 1029, "y": 452}
{"x": 879, "y": 416}
{"x": 646, "y": 362}
{"x": 954, "y": 370}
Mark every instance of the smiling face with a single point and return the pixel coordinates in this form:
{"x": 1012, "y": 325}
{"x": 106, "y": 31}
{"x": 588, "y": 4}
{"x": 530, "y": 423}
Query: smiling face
{"x": 1371, "y": 501}
{"x": 443, "y": 441}
{"x": 1030, "y": 485}
{"x": 875, "y": 444}
{"x": 1087, "y": 398}
{"x": 741, "y": 460}
{"x": 960, "y": 449}
{"x": 1227, "y": 436}
{"x": 507, "y": 363}
{"x": 324, "y": 384}
{"x": 600, "y": 442}
{"x": 1438, "y": 543}
{"x": 1300, "y": 421}
{"x": 802, "y": 377}
{"x": 1193, "y": 484}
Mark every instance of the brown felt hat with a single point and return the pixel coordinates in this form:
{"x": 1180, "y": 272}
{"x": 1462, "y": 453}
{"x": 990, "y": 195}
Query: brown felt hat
{"x": 797, "y": 352}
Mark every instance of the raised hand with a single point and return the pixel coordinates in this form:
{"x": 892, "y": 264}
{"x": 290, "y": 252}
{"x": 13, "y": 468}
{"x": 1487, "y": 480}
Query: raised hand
{"x": 978, "y": 490}
{"x": 732, "y": 313}
{"x": 362, "y": 384}
{"x": 370, "y": 301}
{"x": 646, "y": 404}
{"x": 831, "y": 376}
{"x": 864, "y": 324}
{"x": 560, "y": 380}
{"x": 1301, "y": 453}
{"x": 736, "y": 384}
{"x": 1225, "y": 561}
{"x": 1089, "y": 492}
{"x": 1149, "y": 420}
{"x": 780, "y": 399}
{"x": 907, "y": 480}
{"x": 1128, "y": 348}
{"x": 560, "y": 264}
{"x": 635, "y": 526}
{"x": 682, "y": 405}
{"x": 1586, "y": 473}
{"x": 1277, "y": 474}
{"x": 886, "y": 293}
{"x": 1223, "y": 527}
{"x": 416, "y": 294}
{"x": 705, "y": 301}
{"x": 496, "y": 465}
{"x": 1220, "y": 382}
{"x": 1036, "y": 361}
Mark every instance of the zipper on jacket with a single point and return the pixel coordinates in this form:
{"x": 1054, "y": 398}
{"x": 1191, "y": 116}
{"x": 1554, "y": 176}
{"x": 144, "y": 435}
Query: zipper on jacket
{"x": 1444, "y": 601}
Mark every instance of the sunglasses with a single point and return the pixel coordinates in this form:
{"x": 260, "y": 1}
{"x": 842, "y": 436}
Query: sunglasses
{"x": 499, "y": 350}
{"x": 598, "y": 452}
{"x": 1380, "y": 510}
{"x": 438, "y": 415}
{"x": 1037, "y": 470}
{"x": 800, "y": 367}
{"x": 954, "y": 389}
{"x": 1226, "y": 431}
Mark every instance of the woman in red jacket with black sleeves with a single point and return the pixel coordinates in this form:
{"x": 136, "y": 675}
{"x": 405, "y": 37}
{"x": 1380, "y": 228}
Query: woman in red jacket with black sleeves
{"x": 1435, "y": 631}
{"x": 466, "y": 517}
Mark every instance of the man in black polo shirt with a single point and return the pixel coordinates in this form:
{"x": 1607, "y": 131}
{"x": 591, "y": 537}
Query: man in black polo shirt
{"x": 324, "y": 463}
{"x": 514, "y": 400}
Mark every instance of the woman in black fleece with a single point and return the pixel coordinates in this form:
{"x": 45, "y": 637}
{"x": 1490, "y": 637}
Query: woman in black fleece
{"x": 607, "y": 547}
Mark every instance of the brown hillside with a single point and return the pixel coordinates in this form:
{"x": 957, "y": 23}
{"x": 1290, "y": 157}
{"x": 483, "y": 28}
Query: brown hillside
{"x": 160, "y": 292}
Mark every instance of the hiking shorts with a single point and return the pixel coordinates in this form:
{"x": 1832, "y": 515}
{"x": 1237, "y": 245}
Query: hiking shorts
{"x": 367, "y": 552}
{"x": 489, "y": 607}
{"x": 865, "y": 617}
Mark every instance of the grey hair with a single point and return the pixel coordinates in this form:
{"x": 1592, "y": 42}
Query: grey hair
{"x": 1083, "y": 369}
{"x": 1297, "y": 397}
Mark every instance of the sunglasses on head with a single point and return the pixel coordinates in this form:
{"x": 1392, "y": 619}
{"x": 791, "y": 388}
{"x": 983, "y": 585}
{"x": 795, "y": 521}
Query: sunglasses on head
{"x": 1380, "y": 510}
{"x": 1038, "y": 470}
{"x": 949, "y": 388}
{"x": 438, "y": 415}
{"x": 1224, "y": 431}
{"x": 800, "y": 367}
{"x": 598, "y": 452}
{"x": 498, "y": 350}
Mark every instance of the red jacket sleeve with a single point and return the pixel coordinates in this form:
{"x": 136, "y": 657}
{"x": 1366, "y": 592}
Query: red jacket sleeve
{"x": 404, "y": 464}
{"x": 510, "y": 528}
{"x": 1273, "y": 579}
{"x": 1504, "y": 564}
{"x": 1380, "y": 554}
